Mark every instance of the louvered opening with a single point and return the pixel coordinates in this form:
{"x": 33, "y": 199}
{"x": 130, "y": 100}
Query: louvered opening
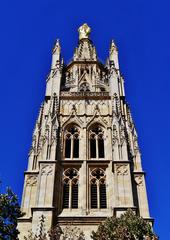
{"x": 93, "y": 196}
{"x": 76, "y": 148}
{"x": 101, "y": 148}
{"x": 103, "y": 196}
{"x": 93, "y": 148}
{"x": 68, "y": 148}
{"x": 75, "y": 196}
{"x": 65, "y": 196}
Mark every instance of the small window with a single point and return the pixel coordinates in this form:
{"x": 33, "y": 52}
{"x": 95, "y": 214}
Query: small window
{"x": 93, "y": 147}
{"x": 97, "y": 143}
{"x": 102, "y": 195}
{"x": 101, "y": 147}
{"x": 70, "y": 188}
{"x": 76, "y": 147}
{"x": 71, "y": 142}
{"x": 68, "y": 147}
{"x": 98, "y": 188}
{"x": 75, "y": 196}
{"x": 93, "y": 195}
{"x": 65, "y": 195}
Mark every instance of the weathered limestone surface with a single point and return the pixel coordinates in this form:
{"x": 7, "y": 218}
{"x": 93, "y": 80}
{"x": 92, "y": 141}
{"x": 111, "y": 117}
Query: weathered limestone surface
{"x": 84, "y": 100}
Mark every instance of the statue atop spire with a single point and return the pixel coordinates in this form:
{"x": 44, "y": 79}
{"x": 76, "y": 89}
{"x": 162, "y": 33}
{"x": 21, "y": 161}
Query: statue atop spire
{"x": 84, "y": 31}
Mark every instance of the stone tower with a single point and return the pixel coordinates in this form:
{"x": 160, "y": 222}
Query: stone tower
{"x": 84, "y": 164}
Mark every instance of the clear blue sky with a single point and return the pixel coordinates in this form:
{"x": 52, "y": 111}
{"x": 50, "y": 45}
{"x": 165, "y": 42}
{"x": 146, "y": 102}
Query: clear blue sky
{"x": 142, "y": 33}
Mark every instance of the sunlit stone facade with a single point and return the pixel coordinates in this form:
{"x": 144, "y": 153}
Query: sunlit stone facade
{"x": 84, "y": 164}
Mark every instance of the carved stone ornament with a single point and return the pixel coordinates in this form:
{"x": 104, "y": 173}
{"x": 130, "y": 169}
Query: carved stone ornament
{"x": 81, "y": 94}
{"x": 122, "y": 134}
{"x": 69, "y": 79}
{"x": 117, "y": 104}
{"x": 46, "y": 170}
{"x": 84, "y": 31}
{"x": 139, "y": 180}
{"x": 34, "y": 141}
{"x": 135, "y": 143}
{"x": 31, "y": 180}
{"x": 122, "y": 169}
{"x": 114, "y": 136}
{"x": 54, "y": 134}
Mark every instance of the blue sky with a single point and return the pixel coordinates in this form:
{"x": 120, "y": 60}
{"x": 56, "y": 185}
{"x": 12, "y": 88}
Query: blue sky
{"x": 141, "y": 31}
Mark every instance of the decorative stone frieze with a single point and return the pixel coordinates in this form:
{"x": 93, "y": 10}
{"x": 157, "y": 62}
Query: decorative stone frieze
{"x": 31, "y": 180}
{"x": 122, "y": 169}
{"x": 46, "y": 169}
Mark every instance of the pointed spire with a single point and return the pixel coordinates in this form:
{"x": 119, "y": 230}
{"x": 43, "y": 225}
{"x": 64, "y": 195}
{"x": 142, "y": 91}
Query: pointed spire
{"x": 56, "y": 54}
{"x": 113, "y": 54}
{"x": 113, "y": 49}
{"x": 56, "y": 46}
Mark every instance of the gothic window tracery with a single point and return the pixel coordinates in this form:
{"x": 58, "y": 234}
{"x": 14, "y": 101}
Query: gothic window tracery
{"x": 70, "y": 188}
{"x": 84, "y": 87}
{"x": 71, "y": 138}
{"x": 98, "y": 188}
{"x": 96, "y": 137}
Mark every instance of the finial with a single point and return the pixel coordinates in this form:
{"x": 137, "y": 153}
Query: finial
{"x": 56, "y": 46}
{"x": 84, "y": 31}
{"x": 113, "y": 45}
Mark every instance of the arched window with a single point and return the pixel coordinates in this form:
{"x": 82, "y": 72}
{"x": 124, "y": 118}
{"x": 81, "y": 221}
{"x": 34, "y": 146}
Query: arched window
{"x": 71, "y": 142}
{"x": 70, "y": 188}
{"x": 98, "y": 188}
{"x": 96, "y": 142}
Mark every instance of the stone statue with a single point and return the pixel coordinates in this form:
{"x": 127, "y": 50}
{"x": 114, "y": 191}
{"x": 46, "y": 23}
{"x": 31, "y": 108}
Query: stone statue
{"x": 84, "y": 31}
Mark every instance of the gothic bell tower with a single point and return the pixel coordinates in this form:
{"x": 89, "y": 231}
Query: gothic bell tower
{"x": 84, "y": 164}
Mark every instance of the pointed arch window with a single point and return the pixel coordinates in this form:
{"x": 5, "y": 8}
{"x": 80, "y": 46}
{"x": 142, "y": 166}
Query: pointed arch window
{"x": 96, "y": 143}
{"x": 71, "y": 137}
{"x": 70, "y": 188}
{"x": 98, "y": 188}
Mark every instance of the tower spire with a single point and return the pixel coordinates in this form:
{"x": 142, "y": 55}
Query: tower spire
{"x": 113, "y": 54}
{"x": 56, "y": 54}
{"x": 85, "y": 163}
